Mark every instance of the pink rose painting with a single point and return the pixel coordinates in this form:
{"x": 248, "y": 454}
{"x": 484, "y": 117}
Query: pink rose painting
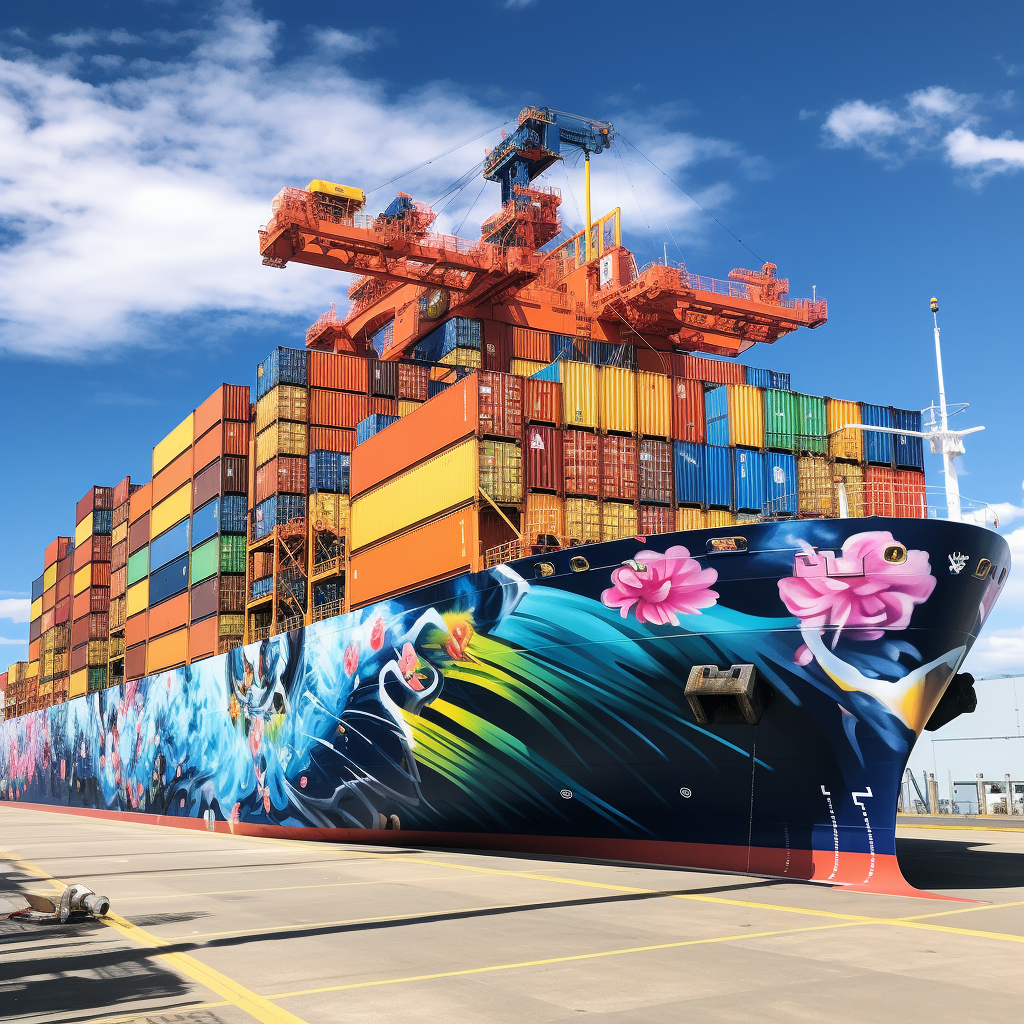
{"x": 859, "y": 594}
{"x": 661, "y": 587}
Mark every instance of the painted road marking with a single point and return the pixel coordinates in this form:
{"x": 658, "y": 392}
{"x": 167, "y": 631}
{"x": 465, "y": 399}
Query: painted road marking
{"x": 963, "y": 828}
{"x": 258, "y": 1007}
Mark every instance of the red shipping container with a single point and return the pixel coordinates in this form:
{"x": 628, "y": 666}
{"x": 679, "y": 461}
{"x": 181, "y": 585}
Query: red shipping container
{"x": 337, "y": 408}
{"x": 657, "y": 475}
{"x": 542, "y": 401}
{"x": 56, "y": 550}
{"x": 118, "y": 556}
{"x": 80, "y": 631}
{"x": 80, "y": 657}
{"x": 135, "y": 662}
{"x": 228, "y": 402}
{"x": 66, "y": 565}
{"x": 120, "y": 515}
{"x": 910, "y": 495}
{"x": 62, "y": 612}
{"x": 228, "y": 475}
{"x": 652, "y": 360}
{"x": 338, "y": 372}
{"x": 581, "y": 462}
{"x": 138, "y": 534}
{"x": 331, "y": 439}
{"x": 619, "y": 467}
{"x": 95, "y": 549}
{"x": 542, "y": 453}
{"x": 717, "y": 371}
{"x": 688, "y": 414}
{"x": 136, "y": 629}
{"x": 496, "y": 350}
{"x": 64, "y": 586}
{"x": 531, "y": 344}
{"x": 48, "y": 620}
{"x": 656, "y": 519}
{"x": 92, "y": 599}
{"x": 118, "y": 582}
{"x": 202, "y": 639}
{"x": 383, "y": 406}
{"x": 121, "y": 493}
{"x": 168, "y": 615}
{"x": 500, "y": 403}
{"x": 412, "y": 382}
{"x": 96, "y": 498}
{"x": 879, "y": 491}
{"x": 284, "y": 475}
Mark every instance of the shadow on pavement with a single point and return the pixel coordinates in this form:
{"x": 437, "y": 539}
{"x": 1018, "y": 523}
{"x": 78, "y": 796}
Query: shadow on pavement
{"x": 952, "y": 864}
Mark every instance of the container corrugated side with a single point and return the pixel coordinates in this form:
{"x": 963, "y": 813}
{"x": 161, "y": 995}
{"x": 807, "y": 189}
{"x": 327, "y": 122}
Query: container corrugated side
{"x": 716, "y": 412}
{"x": 167, "y": 652}
{"x": 580, "y": 394}
{"x": 526, "y": 367}
{"x": 910, "y": 494}
{"x": 583, "y": 520}
{"x": 908, "y": 451}
{"x": 284, "y": 402}
{"x": 620, "y": 468}
{"x": 781, "y": 483}
{"x": 501, "y": 471}
{"x": 655, "y": 519}
{"x": 544, "y": 516}
{"x": 746, "y": 416}
{"x": 173, "y": 444}
{"x": 654, "y": 404}
{"x": 543, "y": 455}
{"x": 718, "y": 475}
{"x": 428, "y": 489}
{"x": 813, "y": 425}
{"x": 618, "y": 519}
{"x": 748, "y": 480}
{"x": 781, "y": 419}
{"x": 171, "y": 510}
{"x": 814, "y": 485}
{"x": 688, "y": 412}
{"x": 843, "y": 443}
{"x": 282, "y": 366}
{"x": 282, "y": 438}
{"x": 656, "y": 472}
{"x": 582, "y": 462}
{"x": 617, "y": 395}
{"x": 851, "y": 475}
{"x": 530, "y": 344}
{"x": 444, "y": 547}
{"x": 877, "y": 445}
{"x": 715, "y": 371}
{"x": 338, "y": 371}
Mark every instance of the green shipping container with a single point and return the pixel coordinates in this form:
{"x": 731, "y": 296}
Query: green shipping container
{"x": 138, "y": 566}
{"x": 97, "y": 678}
{"x": 813, "y": 432}
{"x": 221, "y": 554}
{"x": 501, "y": 471}
{"x": 782, "y": 419}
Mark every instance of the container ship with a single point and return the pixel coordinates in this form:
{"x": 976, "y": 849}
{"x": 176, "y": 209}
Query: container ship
{"x": 513, "y": 555}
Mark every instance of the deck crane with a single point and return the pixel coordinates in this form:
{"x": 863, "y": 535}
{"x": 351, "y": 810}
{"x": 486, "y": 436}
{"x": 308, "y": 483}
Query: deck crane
{"x": 412, "y": 278}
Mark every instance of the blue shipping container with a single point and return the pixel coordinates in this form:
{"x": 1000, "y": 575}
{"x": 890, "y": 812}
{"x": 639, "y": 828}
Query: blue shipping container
{"x": 716, "y": 411}
{"x": 37, "y": 589}
{"x": 206, "y": 522}
{"x": 767, "y": 378}
{"x": 877, "y": 446}
{"x": 550, "y": 372}
{"x": 329, "y": 472}
{"x": 373, "y": 424}
{"x": 381, "y": 340}
{"x": 233, "y": 513}
{"x": 607, "y": 353}
{"x": 780, "y": 483}
{"x": 435, "y": 387}
{"x": 276, "y": 511}
{"x": 262, "y": 587}
{"x": 703, "y": 474}
{"x": 748, "y": 479}
{"x": 908, "y": 451}
{"x": 459, "y": 332}
{"x": 102, "y": 522}
{"x": 170, "y": 580}
{"x": 564, "y": 347}
{"x": 171, "y": 544}
{"x": 324, "y": 593}
{"x": 282, "y": 366}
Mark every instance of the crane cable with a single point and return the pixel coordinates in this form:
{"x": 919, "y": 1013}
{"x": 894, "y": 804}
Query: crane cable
{"x": 691, "y": 198}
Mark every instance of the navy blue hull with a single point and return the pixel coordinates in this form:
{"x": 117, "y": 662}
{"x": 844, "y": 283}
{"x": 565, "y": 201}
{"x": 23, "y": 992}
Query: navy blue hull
{"x": 549, "y": 709}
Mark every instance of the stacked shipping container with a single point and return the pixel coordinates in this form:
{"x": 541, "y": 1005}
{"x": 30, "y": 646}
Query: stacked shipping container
{"x": 91, "y": 591}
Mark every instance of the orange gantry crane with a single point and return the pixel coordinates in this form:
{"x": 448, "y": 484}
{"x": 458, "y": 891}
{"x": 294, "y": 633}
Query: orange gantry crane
{"x": 414, "y": 278}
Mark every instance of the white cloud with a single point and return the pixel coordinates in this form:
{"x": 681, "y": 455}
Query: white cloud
{"x": 997, "y": 653}
{"x": 4, "y": 641}
{"x": 1007, "y": 512}
{"x": 936, "y": 121}
{"x": 16, "y": 609}
{"x": 133, "y": 202}
{"x": 343, "y": 43}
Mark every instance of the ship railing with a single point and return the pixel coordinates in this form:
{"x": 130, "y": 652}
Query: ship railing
{"x": 258, "y": 633}
{"x": 327, "y": 610}
{"x": 229, "y": 643}
{"x": 328, "y": 567}
{"x": 292, "y": 622}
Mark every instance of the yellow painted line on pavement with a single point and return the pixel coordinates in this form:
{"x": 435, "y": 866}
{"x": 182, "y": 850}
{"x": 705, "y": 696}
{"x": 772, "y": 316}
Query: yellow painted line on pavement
{"x": 962, "y": 828}
{"x": 257, "y": 1006}
{"x": 965, "y": 910}
{"x": 554, "y": 960}
{"x": 1004, "y": 936}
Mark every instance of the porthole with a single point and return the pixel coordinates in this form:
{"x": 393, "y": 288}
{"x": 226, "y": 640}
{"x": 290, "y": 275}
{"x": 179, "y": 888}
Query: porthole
{"x": 578, "y": 564}
{"x": 983, "y": 567}
{"x": 895, "y": 554}
{"x": 717, "y": 544}
{"x": 544, "y": 569}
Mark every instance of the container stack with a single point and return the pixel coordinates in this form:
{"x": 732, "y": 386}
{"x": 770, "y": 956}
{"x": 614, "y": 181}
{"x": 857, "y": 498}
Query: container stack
{"x": 217, "y": 582}
{"x": 432, "y": 489}
{"x": 21, "y": 690}
{"x": 90, "y": 603}
{"x": 458, "y": 342}
{"x": 328, "y": 520}
{"x": 35, "y": 632}
{"x": 53, "y": 639}
{"x": 277, "y": 551}
{"x": 3, "y": 695}
{"x": 136, "y": 599}
{"x": 118, "y": 581}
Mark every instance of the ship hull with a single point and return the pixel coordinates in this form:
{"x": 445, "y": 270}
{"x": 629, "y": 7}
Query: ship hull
{"x": 540, "y": 707}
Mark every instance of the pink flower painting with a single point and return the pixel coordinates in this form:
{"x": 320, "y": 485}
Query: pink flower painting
{"x": 661, "y": 587}
{"x": 859, "y": 594}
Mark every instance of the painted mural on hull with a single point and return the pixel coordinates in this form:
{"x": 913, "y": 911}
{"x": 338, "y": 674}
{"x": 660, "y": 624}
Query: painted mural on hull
{"x": 511, "y": 702}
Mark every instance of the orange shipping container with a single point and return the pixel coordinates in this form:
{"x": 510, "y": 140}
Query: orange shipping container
{"x": 140, "y": 503}
{"x": 337, "y": 408}
{"x": 689, "y": 416}
{"x": 172, "y": 476}
{"x": 168, "y": 615}
{"x": 542, "y": 402}
{"x": 202, "y": 639}
{"x": 228, "y": 402}
{"x": 338, "y": 372}
{"x": 443, "y": 548}
{"x": 716, "y": 371}
{"x": 331, "y": 439}
{"x": 544, "y": 516}
{"x": 843, "y": 444}
{"x": 227, "y": 438}
{"x": 910, "y": 494}
{"x": 530, "y": 344}
{"x": 167, "y": 652}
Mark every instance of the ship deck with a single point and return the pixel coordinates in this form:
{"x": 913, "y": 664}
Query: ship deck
{"x": 217, "y": 929}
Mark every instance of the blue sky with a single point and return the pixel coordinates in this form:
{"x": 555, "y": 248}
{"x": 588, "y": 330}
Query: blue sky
{"x": 872, "y": 150}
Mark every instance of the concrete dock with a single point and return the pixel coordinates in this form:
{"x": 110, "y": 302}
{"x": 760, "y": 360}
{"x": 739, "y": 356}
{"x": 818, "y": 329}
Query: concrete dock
{"x": 217, "y": 929}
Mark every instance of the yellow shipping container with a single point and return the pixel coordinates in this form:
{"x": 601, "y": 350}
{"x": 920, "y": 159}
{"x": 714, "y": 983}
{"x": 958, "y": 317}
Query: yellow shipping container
{"x": 284, "y": 402}
{"x": 282, "y": 438}
{"x": 83, "y": 579}
{"x": 329, "y": 512}
{"x": 83, "y": 531}
{"x": 814, "y": 485}
{"x": 33, "y": 670}
{"x": 583, "y": 520}
{"x": 171, "y": 510}
{"x": 406, "y": 406}
{"x": 617, "y": 520}
{"x": 119, "y": 533}
{"x": 843, "y": 444}
{"x": 50, "y": 576}
{"x": 654, "y": 404}
{"x": 462, "y": 357}
{"x": 746, "y": 415}
{"x": 545, "y": 517}
{"x": 79, "y": 684}
{"x": 36, "y": 610}
{"x": 526, "y": 367}
{"x": 690, "y": 519}
{"x": 137, "y": 598}
{"x": 579, "y": 395}
{"x": 617, "y": 389}
{"x": 173, "y": 444}
{"x": 442, "y": 482}
{"x": 852, "y": 477}
{"x": 717, "y": 517}
{"x": 501, "y": 472}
